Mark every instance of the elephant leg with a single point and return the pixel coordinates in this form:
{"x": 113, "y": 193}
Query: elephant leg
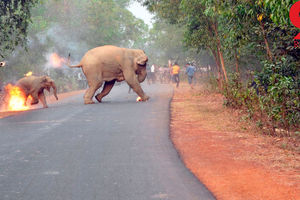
{"x": 25, "y": 100}
{"x": 106, "y": 89}
{"x": 42, "y": 98}
{"x": 89, "y": 93}
{"x": 133, "y": 82}
{"x": 35, "y": 99}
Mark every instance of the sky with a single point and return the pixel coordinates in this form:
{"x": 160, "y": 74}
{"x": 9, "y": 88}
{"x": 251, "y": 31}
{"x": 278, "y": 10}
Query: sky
{"x": 141, "y": 12}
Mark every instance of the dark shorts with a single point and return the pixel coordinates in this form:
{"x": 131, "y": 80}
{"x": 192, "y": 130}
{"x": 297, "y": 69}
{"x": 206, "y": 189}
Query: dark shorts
{"x": 190, "y": 79}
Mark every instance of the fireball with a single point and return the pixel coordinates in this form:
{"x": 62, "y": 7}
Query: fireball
{"x": 15, "y": 98}
{"x": 138, "y": 99}
{"x": 260, "y": 17}
{"x": 28, "y": 74}
{"x": 56, "y": 60}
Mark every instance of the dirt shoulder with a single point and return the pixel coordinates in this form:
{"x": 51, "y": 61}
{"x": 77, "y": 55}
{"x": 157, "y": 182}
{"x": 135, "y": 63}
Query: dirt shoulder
{"x": 227, "y": 154}
{"x": 50, "y": 99}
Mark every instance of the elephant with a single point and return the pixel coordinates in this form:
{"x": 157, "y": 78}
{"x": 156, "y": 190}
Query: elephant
{"x": 34, "y": 86}
{"x": 110, "y": 64}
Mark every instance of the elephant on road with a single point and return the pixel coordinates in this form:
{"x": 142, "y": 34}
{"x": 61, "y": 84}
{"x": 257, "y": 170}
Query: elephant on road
{"x": 34, "y": 86}
{"x": 110, "y": 64}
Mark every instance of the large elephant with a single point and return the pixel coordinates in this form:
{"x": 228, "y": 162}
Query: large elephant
{"x": 34, "y": 86}
{"x": 110, "y": 64}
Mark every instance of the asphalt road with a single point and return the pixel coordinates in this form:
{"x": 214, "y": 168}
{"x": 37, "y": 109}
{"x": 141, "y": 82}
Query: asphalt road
{"x": 116, "y": 150}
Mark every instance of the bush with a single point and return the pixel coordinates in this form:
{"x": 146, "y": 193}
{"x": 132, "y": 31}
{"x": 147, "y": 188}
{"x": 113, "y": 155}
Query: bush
{"x": 233, "y": 92}
{"x": 274, "y": 102}
{"x": 241, "y": 97}
{"x": 281, "y": 103}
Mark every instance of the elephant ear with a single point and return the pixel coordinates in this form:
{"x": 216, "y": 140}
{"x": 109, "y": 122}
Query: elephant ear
{"x": 142, "y": 60}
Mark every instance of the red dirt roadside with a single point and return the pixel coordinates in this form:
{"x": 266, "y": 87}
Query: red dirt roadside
{"x": 50, "y": 99}
{"x": 228, "y": 155}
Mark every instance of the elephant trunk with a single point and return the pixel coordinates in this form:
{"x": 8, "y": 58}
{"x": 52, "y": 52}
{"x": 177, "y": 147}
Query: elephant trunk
{"x": 142, "y": 75}
{"x": 54, "y": 90}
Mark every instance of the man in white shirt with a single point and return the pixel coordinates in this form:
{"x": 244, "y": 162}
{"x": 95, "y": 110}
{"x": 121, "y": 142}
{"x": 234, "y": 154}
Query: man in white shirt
{"x": 152, "y": 73}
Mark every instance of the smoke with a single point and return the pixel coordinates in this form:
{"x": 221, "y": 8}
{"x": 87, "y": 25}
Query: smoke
{"x": 62, "y": 43}
{"x": 64, "y": 40}
{"x": 75, "y": 26}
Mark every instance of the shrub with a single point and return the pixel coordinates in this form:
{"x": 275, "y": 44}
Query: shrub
{"x": 275, "y": 102}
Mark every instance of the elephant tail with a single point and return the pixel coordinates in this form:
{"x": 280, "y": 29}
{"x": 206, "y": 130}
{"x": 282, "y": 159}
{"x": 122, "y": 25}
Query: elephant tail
{"x": 73, "y": 66}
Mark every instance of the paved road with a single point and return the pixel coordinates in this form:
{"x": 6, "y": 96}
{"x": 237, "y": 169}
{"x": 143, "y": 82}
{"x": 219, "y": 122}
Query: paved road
{"x": 117, "y": 150}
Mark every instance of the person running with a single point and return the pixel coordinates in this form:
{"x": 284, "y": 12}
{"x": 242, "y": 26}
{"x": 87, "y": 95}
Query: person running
{"x": 190, "y": 71}
{"x": 175, "y": 73}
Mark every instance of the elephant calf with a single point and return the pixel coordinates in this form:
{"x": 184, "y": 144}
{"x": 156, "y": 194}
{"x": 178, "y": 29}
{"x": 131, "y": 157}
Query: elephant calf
{"x": 110, "y": 64}
{"x": 34, "y": 86}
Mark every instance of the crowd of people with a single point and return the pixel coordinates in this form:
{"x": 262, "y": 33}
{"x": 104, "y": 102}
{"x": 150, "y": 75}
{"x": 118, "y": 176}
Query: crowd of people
{"x": 170, "y": 73}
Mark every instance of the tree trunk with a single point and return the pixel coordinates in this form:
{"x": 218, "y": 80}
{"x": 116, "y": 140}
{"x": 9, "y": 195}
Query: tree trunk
{"x": 217, "y": 60}
{"x": 214, "y": 26}
{"x": 269, "y": 53}
{"x": 222, "y": 63}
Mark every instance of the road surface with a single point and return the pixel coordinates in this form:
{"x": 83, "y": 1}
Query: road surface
{"x": 116, "y": 150}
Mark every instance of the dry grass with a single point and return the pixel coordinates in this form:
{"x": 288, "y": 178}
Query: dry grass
{"x": 219, "y": 147}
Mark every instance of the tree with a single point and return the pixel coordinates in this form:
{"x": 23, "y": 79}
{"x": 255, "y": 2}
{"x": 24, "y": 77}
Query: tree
{"x": 75, "y": 26}
{"x": 200, "y": 21}
{"x": 14, "y": 20}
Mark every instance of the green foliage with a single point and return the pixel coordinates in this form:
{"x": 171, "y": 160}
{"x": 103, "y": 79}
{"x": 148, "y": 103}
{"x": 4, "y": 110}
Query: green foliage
{"x": 239, "y": 96}
{"x": 93, "y": 23}
{"x": 14, "y": 20}
{"x": 64, "y": 26}
{"x": 284, "y": 67}
{"x": 165, "y": 41}
{"x": 65, "y": 84}
{"x": 254, "y": 35}
{"x": 161, "y": 49}
{"x": 279, "y": 83}
{"x": 279, "y": 10}
{"x": 281, "y": 103}
{"x": 275, "y": 104}
{"x": 232, "y": 92}
{"x": 109, "y": 23}
{"x": 24, "y": 61}
{"x": 165, "y": 9}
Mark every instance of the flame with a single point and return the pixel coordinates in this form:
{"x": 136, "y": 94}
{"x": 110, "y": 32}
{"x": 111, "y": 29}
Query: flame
{"x": 138, "y": 99}
{"x": 28, "y": 74}
{"x": 56, "y": 61}
{"x": 260, "y": 17}
{"x": 15, "y": 98}
{"x": 2, "y": 64}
